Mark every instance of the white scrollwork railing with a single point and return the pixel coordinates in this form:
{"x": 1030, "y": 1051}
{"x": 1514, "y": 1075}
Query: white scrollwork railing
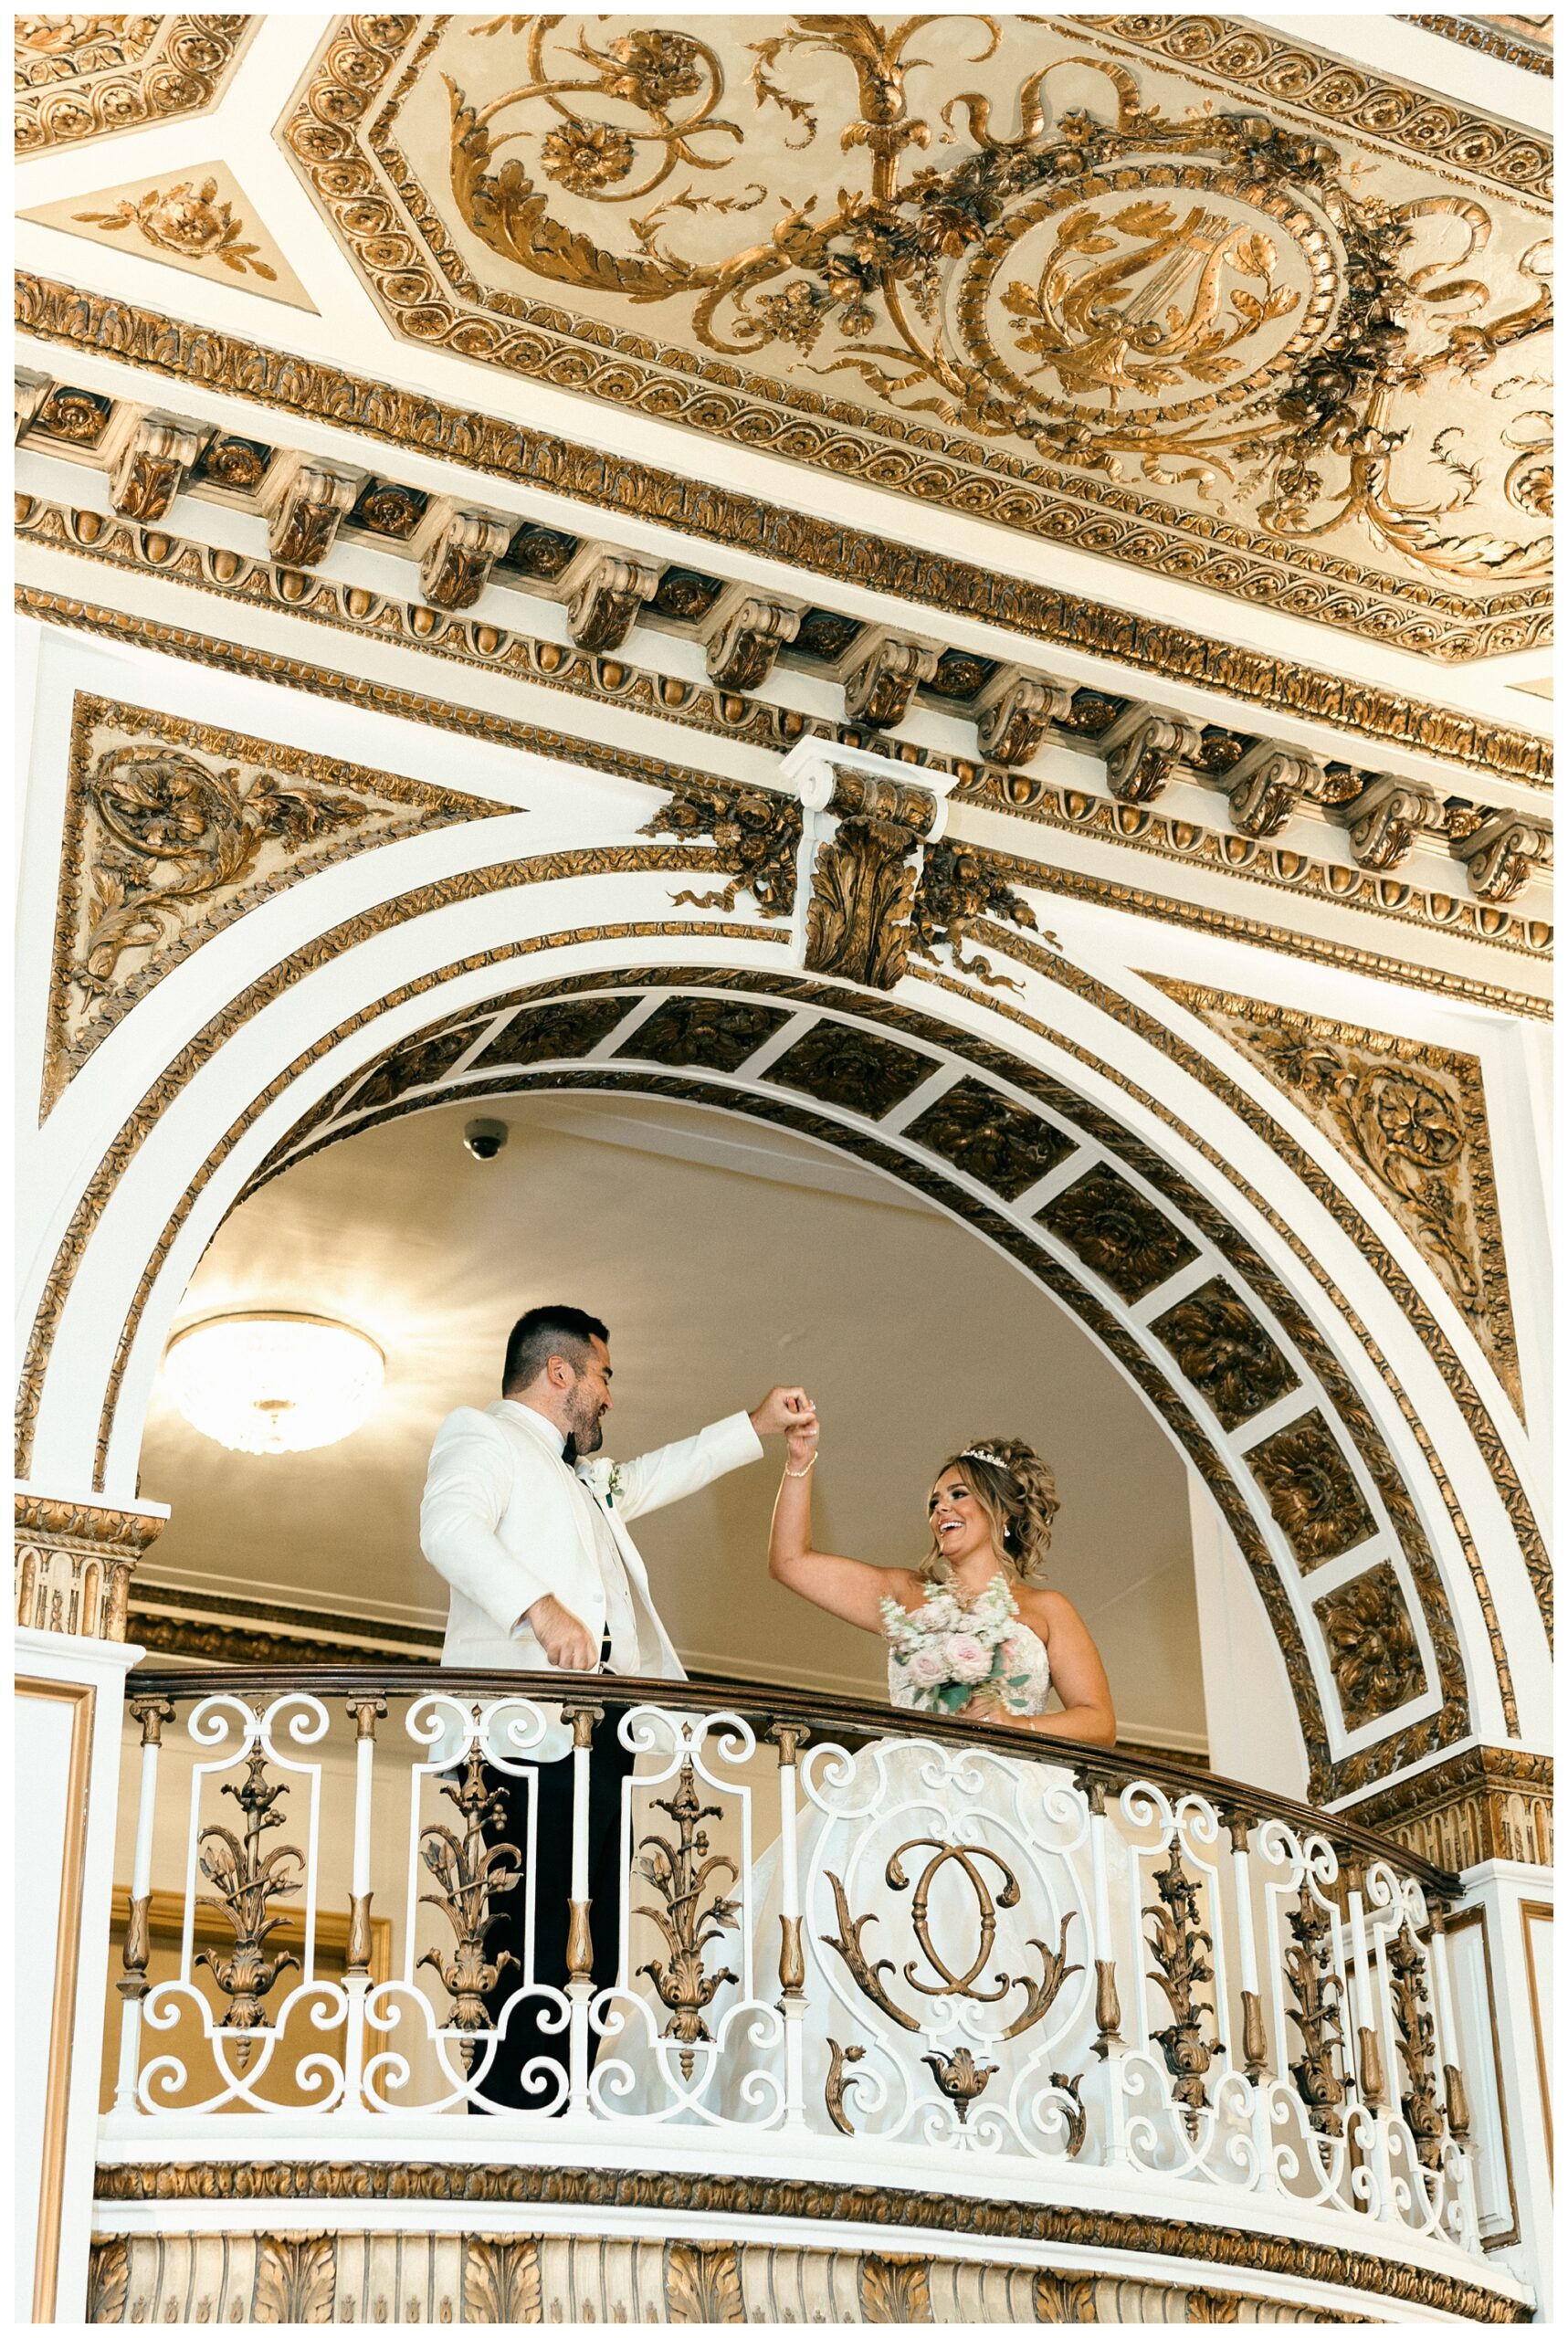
{"x": 838, "y": 1930}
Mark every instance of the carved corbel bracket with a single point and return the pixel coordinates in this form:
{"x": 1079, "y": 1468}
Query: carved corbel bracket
{"x": 867, "y": 827}
{"x": 148, "y": 469}
{"x": 1387, "y": 816}
{"x": 1267, "y": 784}
{"x": 745, "y": 637}
{"x": 306, "y": 502}
{"x": 604, "y": 593}
{"x": 457, "y": 561}
{"x": 1145, "y": 749}
{"x": 1503, "y": 853}
{"x": 885, "y": 678}
{"x": 1015, "y": 712}
{"x": 31, "y": 389}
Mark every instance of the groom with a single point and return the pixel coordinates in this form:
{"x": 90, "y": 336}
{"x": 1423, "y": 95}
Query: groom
{"x": 531, "y": 1537}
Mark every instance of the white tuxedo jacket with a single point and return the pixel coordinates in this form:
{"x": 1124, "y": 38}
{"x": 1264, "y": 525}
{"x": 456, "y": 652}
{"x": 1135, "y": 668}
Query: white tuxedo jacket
{"x": 502, "y": 1521}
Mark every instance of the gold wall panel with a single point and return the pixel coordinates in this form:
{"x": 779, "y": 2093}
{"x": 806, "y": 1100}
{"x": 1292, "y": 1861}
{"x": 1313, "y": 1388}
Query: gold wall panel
{"x": 1212, "y": 305}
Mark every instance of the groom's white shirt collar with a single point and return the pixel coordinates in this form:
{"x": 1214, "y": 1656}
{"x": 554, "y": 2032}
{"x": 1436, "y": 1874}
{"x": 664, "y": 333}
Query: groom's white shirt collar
{"x": 554, "y": 1438}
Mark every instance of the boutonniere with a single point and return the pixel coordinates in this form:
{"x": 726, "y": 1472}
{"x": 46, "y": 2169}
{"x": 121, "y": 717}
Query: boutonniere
{"x": 612, "y": 1485}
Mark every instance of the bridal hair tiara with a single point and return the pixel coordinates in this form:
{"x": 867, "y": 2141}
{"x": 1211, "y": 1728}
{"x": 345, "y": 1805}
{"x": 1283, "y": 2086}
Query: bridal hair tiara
{"x": 983, "y": 1453}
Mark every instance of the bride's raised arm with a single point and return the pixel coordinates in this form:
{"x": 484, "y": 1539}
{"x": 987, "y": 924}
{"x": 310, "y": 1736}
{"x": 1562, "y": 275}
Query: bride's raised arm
{"x": 848, "y": 1588}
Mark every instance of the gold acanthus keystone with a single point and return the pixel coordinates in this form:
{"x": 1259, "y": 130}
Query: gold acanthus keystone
{"x": 306, "y": 502}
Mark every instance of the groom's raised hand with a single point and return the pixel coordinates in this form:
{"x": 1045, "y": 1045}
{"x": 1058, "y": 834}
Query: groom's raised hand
{"x": 783, "y": 1409}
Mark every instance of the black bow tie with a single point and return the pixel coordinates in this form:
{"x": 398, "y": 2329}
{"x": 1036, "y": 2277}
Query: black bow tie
{"x": 569, "y": 1451}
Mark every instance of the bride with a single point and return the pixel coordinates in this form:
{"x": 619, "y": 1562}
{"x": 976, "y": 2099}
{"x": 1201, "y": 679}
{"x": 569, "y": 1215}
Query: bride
{"x": 985, "y": 1835}
{"x": 990, "y": 1513}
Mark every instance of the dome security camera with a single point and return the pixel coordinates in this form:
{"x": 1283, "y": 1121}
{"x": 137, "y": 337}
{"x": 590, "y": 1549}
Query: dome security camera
{"x": 484, "y": 1139}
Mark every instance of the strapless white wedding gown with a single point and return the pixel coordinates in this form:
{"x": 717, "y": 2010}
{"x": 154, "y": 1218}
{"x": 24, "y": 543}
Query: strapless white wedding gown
{"x": 946, "y": 1895}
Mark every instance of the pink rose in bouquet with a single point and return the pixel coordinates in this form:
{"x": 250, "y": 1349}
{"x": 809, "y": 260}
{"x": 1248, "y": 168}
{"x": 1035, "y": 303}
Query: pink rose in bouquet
{"x": 968, "y": 1658}
{"x": 927, "y": 1667}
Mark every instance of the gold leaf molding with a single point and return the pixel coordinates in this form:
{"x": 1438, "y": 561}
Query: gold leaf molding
{"x": 1524, "y": 843}
{"x": 92, "y": 76}
{"x": 165, "y": 347}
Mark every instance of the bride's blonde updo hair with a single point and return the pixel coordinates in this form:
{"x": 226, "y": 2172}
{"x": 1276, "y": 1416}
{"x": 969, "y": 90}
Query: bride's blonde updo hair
{"x": 1018, "y": 1492}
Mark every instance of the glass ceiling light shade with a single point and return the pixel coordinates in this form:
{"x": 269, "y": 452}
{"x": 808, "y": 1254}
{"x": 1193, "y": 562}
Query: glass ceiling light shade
{"x": 274, "y": 1383}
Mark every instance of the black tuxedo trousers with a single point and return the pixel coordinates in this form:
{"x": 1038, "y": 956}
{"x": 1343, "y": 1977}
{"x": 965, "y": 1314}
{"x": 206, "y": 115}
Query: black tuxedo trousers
{"x": 523, "y": 2040}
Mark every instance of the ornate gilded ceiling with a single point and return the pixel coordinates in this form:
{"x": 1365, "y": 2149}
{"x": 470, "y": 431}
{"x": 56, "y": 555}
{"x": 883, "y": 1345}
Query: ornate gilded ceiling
{"x": 1169, "y": 288}
{"x": 90, "y": 77}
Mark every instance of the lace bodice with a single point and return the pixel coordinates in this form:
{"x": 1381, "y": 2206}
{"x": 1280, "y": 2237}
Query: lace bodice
{"x": 1025, "y": 1685}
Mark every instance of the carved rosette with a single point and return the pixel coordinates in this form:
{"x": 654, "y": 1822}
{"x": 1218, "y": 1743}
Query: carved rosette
{"x": 74, "y": 1561}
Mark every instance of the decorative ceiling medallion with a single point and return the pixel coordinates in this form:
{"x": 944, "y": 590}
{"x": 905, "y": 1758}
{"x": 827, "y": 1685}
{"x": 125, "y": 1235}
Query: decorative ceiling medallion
{"x": 1017, "y": 266}
{"x": 1412, "y": 1118}
{"x": 203, "y": 222}
{"x": 172, "y": 829}
{"x": 90, "y": 77}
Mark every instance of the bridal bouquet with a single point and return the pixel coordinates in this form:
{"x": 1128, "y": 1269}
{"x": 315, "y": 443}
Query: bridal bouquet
{"x": 949, "y": 1650}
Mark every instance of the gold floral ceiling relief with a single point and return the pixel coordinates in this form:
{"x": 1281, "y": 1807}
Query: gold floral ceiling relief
{"x": 173, "y": 830}
{"x": 90, "y": 77}
{"x": 1055, "y": 273}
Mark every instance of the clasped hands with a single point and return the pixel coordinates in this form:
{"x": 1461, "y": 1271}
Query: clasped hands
{"x": 566, "y": 1641}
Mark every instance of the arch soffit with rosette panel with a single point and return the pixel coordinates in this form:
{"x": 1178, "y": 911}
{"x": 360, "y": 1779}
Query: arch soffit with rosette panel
{"x": 1026, "y": 1122}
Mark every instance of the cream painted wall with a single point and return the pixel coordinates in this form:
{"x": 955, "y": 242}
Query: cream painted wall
{"x": 782, "y": 1263}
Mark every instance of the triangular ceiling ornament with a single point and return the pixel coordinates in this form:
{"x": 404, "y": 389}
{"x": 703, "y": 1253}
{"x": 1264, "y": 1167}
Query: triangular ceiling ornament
{"x": 1411, "y": 1119}
{"x": 174, "y": 829}
{"x": 200, "y": 220}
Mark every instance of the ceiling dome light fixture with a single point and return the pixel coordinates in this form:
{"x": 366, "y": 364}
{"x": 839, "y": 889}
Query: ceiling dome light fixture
{"x": 270, "y": 1382}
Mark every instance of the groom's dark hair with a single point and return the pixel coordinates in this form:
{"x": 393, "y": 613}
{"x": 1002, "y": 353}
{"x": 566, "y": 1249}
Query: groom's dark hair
{"x": 545, "y": 1332}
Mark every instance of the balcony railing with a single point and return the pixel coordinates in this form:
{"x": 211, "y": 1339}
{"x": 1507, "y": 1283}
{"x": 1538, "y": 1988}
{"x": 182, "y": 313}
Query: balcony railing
{"x": 850, "y": 1939}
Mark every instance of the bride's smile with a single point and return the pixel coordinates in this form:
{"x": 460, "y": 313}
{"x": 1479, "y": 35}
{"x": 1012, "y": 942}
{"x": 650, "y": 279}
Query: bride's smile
{"x": 960, "y": 1526}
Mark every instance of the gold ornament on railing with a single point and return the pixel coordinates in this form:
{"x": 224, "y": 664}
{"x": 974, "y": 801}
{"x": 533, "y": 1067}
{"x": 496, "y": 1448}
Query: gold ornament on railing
{"x": 1316, "y": 2012}
{"x": 1179, "y": 1943}
{"x": 1418, "y": 2043}
{"x": 471, "y": 1875}
{"x": 247, "y": 1881}
{"x": 680, "y": 1872}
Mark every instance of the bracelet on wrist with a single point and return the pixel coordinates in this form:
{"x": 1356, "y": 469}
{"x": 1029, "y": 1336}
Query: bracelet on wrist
{"x": 800, "y": 1473}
